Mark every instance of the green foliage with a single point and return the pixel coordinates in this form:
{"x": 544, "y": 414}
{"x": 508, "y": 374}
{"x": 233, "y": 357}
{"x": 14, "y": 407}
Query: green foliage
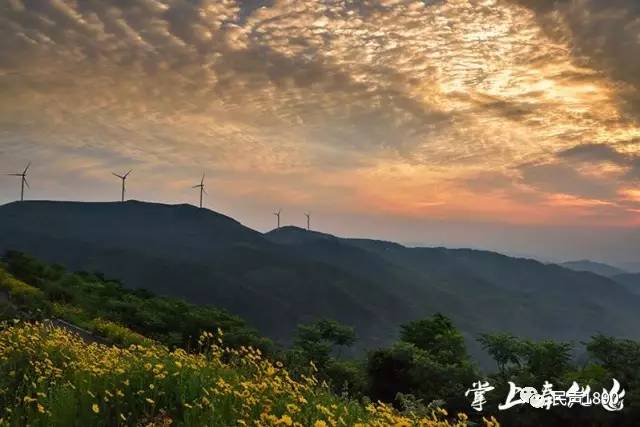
{"x": 620, "y": 359}
{"x": 430, "y": 362}
{"x": 506, "y": 350}
{"x": 320, "y": 343}
{"x": 530, "y": 363}
{"x": 346, "y": 376}
{"x": 316, "y": 341}
{"x": 544, "y": 360}
{"x": 117, "y": 334}
{"x": 30, "y": 269}
{"x": 119, "y": 314}
{"x": 548, "y": 360}
{"x": 9, "y": 311}
{"x": 28, "y": 297}
{"x": 436, "y": 335}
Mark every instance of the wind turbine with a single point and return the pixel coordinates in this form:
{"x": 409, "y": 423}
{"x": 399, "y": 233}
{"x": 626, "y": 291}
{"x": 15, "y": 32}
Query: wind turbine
{"x": 201, "y": 187}
{"x": 277, "y": 214}
{"x": 308, "y": 215}
{"x": 23, "y": 180}
{"x": 124, "y": 179}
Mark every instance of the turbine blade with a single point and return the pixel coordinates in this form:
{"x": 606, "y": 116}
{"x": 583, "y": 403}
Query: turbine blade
{"x": 119, "y": 176}
{"x": 204, "y": 191}
{"x": 26, "y": 182}
{"x": 14, "y": 174}
{"x": 196, "y": 186}
{"x": 26, "y": 169}
{"x": 202, "y": 180}
{"x": 127, "y": 174}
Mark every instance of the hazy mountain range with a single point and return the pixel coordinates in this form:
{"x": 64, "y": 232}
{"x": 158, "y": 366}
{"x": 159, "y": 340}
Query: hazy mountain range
{"x": 289, "y": 275}
{"x": 594, "y": 267}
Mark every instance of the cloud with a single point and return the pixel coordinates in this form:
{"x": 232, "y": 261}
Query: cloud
{"x": 597, "y": 179}
{"x": 601, "y": 34}
{"x": 564, "y": 179}
{"x": 593, "y": 153}
{"x": 262, "y": 91}
{"x": 599, "y": 153}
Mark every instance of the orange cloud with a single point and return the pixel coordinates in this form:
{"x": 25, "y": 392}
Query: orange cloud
{"x": 392, "y": 106}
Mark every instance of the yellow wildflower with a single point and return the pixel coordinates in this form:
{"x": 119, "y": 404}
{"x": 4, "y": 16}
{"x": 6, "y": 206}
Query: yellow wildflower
{"x": 286, "y": 420}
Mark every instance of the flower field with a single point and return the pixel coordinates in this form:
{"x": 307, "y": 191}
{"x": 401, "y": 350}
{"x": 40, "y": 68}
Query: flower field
{"x": 50, "y": 377}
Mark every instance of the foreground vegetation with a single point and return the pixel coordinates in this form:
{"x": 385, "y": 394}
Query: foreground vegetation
{"x": 426, "y": 371}
{"x": 51, "y": 377}
{"x": 103, "y": 306}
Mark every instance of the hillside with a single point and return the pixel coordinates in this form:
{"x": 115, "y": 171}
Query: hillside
{"x": 289, "y": 276}
{"x": 481, "y": 290}
{"x": 630, "y": 280}
{"x": 599, "y": 268}
{"x": 103, "y": 352}
{"x": 201, "y": 256}
{"x": 76, "y": 384}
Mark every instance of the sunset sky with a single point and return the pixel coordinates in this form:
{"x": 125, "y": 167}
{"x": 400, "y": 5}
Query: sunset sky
{"x": 510, "y": 125}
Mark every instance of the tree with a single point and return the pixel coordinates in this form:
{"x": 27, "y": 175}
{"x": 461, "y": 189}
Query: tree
{"x": 620, "y": 358}
{"x": 436, "y": 335}
{"x": 529, "y": 363}
{"x": 430, "y": 362}
{"x": 506, "y": 350}
{"x": 320, "y": 342}
{"x": 548, "y": 360}
{"x": 535, "y": 361}
{"x": 389, "y": 371}
{"x": 316, "y": 341}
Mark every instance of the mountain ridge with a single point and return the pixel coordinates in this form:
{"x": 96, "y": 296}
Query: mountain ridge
{"x": 595, "y": 267}
{"x": 287, "y": 276}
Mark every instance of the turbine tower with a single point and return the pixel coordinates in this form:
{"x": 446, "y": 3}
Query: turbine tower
{"x": 23, "y": 180}
{"x": 124, "y": 179}
{"x": 201, "y": 187}
{"x": 308, "y": 215}
{"x": 277, "y": 214}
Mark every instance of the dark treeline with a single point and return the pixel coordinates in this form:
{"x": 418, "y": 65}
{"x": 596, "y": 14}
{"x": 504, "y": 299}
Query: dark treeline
{"x": 427, "y": 367}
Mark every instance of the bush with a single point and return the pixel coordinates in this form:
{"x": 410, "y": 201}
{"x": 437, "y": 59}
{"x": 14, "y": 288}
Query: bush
{"x": 117, "y": 334}
{"x": 26, "y": 296}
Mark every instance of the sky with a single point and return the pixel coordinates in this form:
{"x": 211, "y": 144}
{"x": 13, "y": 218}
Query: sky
{"x": 511, "y": 125}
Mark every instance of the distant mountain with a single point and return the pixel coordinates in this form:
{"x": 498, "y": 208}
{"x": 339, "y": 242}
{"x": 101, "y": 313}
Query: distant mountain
{"x": 602, "y": 269}
{"x": 630, "y": 280}
{"x": 631, "y": 267}
{"x": 290, "y": 275}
